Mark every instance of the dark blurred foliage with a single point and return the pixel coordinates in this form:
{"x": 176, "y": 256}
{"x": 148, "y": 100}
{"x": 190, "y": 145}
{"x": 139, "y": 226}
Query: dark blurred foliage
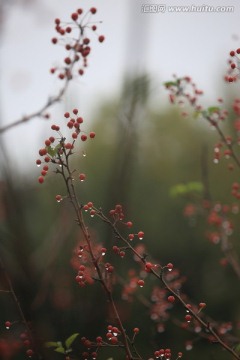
{"x": 137, "y": 156}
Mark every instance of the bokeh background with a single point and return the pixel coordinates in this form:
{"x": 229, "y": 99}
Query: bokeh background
{"x": 143, "y": 149}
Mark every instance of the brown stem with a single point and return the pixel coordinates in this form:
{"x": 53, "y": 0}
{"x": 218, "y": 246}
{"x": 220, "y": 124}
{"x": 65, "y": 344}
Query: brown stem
{"x": 51, "y": 100}
{"x": 67, "y": 175}
{"x": 16, "y": 301}
{"x": 160, "y": 276}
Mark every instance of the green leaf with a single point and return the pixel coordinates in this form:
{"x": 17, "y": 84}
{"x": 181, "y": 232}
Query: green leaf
{"x": 195, "y": 186}
{"x": 170, "y": 83}
{"x": 179, "y": 189}
{"x": 51, "y": 344}
{"x": 237, "y": 348}
{"x": 70, "y": 340}
{"x": 183, "y": 189}
{"x": 60, "y": 349}
{"x": 204, "y": 113}
{"x": 196, "y": 114}
{"x": 213, "y": 109}
{"x": 53, "y": 151}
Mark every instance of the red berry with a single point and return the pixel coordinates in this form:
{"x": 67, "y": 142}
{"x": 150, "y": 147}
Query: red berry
{"x": 83, "y": 137}
{"x": 42, "y": 152}
{"x": 140, "y": 235}
{"x": 136, "y": 330}
{"x": 41, "y": 179}
{"x": 66, "y": 115}
{"x": 129, "y": 224}
{"x": 27, "y": 343}
{"x": 44, "y": 172}
{"x": 82, "y": 177}
{"x": 47, "y": 159}
{"x": 101, "y": 38}
{"x": 202, "y": 305}
{"x": 170, "y": 266}
{"x": 114, "y": 340}
{"x": 140, "y": 283}
{"x": 75, "y": 111}
{"x": 148, "y": 266}
{"x": 131, "y": 236}
{"x": 92, "y": 135}
{"x": 58, "y": 198}
{"x": 238, "y": 51}
{"x": 74, "y": 135}
{"x": 232, "y": 53}
{"x": 29, "y": 352}
{"x": 99, "y": 339}
{"x": 86, "y": 41}
{"x": 92, "y": 213}
{"x": 93, "y": 10}
{"x": 171, "y": 299}
{"x": 67, "y": 60}
{"x": 74, "y": 16}
{"x": 188, "y": 318}
{"x": 79, "y": 120}
{"x": 38, "y": 162}
{"x": 8, "y": 324}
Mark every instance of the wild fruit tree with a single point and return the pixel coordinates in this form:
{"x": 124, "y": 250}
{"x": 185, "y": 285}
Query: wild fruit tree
{"x": 95, "y": 261}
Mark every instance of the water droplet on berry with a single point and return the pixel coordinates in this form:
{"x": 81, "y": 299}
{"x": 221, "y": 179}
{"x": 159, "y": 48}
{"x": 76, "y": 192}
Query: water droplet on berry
{"x": 197, "y": 329}
{"x": 154, "y": 316}
{"x": 189, "y": 346}
{"x": 216, "y": 161}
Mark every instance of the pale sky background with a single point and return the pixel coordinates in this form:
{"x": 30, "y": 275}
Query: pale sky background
{"x": 195, "y": 44}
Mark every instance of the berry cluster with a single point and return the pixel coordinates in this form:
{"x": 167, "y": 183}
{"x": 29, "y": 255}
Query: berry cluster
{"x": 57, "y": 149}
{"x": 234, "y": 66}
{"x": 112, "y": 338}
{"x": 9, "y": 347}
{"x": 165, "y": 354}
{"x": 78, "y": 45}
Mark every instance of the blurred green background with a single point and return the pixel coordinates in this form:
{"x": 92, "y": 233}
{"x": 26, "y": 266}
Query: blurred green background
{"x": 138, "y": 155}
